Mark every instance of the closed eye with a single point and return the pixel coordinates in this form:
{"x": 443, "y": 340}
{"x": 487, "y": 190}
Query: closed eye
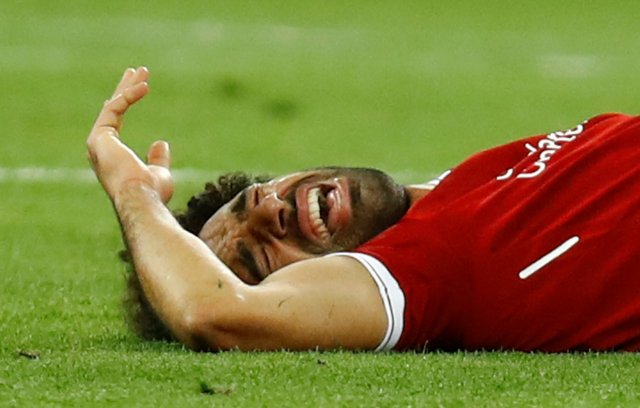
{"x": 281, "y": 219}
{"x": 255, "y": 194}
{"x": 267, "y": 261}
{"x": 249, "y": 262}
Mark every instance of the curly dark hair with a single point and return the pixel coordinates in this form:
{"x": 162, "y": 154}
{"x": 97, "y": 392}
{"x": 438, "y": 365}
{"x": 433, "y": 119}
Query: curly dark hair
{"x": 141, "y": 317}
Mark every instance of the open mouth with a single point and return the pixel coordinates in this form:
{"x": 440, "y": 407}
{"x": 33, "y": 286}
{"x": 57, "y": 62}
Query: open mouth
{"x": 323, "y": 209}
{"x": 318, "y": 212}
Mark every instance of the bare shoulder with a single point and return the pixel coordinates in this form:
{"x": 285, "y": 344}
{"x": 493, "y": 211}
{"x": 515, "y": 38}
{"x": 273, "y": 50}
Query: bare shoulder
{"x": 326, "y": 303}
{"x": 329, "y": 270}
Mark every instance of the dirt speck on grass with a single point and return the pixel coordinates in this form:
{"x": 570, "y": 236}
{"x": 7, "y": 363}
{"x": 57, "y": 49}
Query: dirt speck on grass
{"x": 215, "y": 389}
{"x": 30, "y": 354}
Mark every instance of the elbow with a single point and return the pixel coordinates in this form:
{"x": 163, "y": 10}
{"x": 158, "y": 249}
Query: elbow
{"x": 195, "y": 333}
{"x": 203, "y": 330}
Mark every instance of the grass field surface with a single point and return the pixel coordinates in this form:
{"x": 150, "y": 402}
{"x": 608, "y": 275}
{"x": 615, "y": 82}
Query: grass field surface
{"x": 275, "y": 86}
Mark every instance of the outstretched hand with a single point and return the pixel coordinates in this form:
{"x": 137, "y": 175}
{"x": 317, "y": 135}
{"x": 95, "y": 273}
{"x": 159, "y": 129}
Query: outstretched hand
{"x": 114, "y": 163}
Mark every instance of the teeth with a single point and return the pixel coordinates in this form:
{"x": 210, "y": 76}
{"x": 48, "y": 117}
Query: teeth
{"x": 314, "y": 213}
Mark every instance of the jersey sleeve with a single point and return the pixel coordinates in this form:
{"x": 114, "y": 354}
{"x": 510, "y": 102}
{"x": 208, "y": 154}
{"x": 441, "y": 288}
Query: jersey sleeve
{"x": 390, "y": 293}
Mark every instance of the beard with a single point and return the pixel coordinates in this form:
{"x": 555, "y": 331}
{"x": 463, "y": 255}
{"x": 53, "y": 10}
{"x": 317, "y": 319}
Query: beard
{"x": 378, "y": 202}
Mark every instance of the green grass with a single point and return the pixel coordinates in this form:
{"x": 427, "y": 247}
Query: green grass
{"x": 276, "y": 86}
{"x": 167, "y": 376}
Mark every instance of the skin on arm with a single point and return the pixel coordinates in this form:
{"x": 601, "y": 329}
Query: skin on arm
{"x": 320, "y": 303}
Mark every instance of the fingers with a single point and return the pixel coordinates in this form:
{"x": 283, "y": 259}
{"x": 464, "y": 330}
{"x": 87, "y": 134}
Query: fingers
{"x": 132, "y": 87}
{"x": 159, "y": 154}
{"x": 113, "y": 110}
{"x": 130, "y": 77}
{"x": 124, "y": 81}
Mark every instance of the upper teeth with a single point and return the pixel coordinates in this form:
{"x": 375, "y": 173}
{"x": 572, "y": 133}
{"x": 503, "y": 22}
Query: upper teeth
{"x": 314, "y": 213}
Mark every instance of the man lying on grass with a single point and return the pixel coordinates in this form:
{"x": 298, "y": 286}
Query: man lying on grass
{"x": 533, "y": 245}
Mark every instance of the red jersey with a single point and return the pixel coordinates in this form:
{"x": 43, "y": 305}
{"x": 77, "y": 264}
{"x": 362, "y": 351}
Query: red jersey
{"x": 534, "y": 245}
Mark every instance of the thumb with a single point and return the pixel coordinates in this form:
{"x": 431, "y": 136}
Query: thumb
{"x": 159, "y": 154}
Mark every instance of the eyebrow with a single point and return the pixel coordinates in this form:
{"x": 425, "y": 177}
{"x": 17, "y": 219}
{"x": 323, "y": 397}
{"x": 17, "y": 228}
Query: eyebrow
{"x": 249, "y": 261}
{"x": 241, "y": 203}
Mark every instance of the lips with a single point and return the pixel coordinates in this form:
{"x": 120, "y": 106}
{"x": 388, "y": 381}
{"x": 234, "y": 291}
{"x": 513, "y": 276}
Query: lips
{"x": 324, "y": 208}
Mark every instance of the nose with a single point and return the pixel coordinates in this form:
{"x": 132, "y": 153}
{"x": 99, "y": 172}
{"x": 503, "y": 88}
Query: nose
{"x": 269, "y": 215}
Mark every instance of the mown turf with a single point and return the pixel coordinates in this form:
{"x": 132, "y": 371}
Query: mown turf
{"x": 410, "y": 87}
{"x": 165, "y": 376}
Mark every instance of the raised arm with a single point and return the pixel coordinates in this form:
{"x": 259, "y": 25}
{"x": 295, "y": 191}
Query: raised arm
{"x": 321, "y": 303}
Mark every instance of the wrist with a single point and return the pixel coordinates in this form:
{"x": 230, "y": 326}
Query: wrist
{"x": 135, "y": 197}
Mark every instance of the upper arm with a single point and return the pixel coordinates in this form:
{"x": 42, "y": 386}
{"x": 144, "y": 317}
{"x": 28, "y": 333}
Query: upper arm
{"x": 323, "y": 303}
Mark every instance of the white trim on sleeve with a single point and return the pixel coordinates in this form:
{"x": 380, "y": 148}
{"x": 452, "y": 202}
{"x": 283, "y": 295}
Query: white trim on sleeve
{"x": 391, "y": 294}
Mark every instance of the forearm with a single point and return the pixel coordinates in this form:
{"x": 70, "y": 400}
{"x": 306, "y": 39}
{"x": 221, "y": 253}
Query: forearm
{"x": 179, "y": 274}
{"x": 321, "y": 303}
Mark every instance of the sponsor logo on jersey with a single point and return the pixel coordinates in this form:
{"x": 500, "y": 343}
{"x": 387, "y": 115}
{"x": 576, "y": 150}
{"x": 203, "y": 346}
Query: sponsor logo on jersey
{"x": 544, "y": 149}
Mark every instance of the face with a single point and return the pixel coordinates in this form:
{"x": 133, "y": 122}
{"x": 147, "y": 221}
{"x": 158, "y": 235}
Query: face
{"x": 302, "y": 215}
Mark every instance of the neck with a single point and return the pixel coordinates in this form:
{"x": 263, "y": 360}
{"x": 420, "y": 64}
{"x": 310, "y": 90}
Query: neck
{"x": 415, "y": 192}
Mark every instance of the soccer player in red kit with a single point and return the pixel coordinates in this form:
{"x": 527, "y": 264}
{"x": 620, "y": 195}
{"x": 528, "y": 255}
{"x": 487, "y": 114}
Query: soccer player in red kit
{"x": 528, "y": 246}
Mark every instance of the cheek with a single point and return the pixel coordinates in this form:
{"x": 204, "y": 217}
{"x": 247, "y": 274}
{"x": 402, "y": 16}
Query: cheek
{"x": 229, "y": 257}
{"x": 284, "y": 254}
{"x": 242, "y": 273}
{"x": 360, "y": 230}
